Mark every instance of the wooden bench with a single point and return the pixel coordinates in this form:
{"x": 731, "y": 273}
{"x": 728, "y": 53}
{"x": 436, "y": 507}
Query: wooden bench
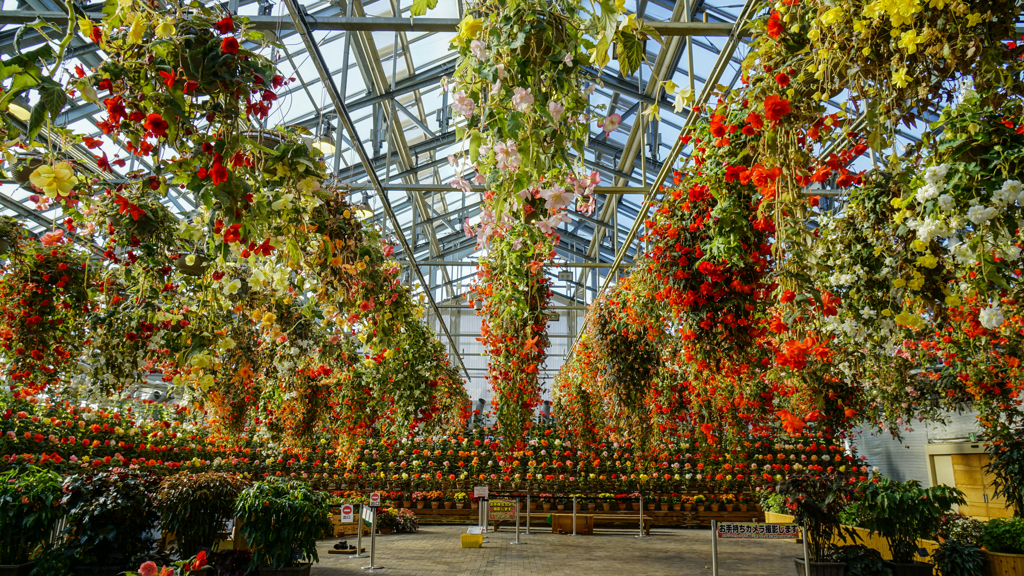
{"x": 585, "y": 523}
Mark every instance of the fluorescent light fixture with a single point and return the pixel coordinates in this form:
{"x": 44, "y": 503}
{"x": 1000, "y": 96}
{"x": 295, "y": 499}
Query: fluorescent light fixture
{"x": 19, "y": 112}
{"x": 362, "y": 211}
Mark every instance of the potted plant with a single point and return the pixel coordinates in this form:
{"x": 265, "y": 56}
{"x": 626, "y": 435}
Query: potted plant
{"x": 449, "y": 500}
{"x": 606, "y": 501}
{"x": 460, "y": 500}
{"x": 742, "y": 501}
{"x": 687, "y": 502}
{"x": 620, "y": 500}
{"x": 664, "y": 502}
{"x": 677, "y": 502}
{"x": 109, "y": 515}
{"x": 194, "y": 507}
{"x": 406, "y": 500}
{"x": 11, "y": 233}
{"x": 29, "y": 509}
{"x": 728, "y": 500}
{"x": 958, "y": 558}
{"x": 419, "y": 499}
{"x": 1003, "y": 539}
{"x": 700, "y": 501}
{"x": 279, "y": 517}
{"x": 406, "y": 521}
{"x": 387, "y": 519}
{"x": 919, "y": 511}
{"x": 713, "y": 503}
{"x": 816, "y": 502}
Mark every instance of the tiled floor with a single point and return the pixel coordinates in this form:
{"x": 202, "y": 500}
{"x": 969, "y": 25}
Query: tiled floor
{"x": 436, "y": 551}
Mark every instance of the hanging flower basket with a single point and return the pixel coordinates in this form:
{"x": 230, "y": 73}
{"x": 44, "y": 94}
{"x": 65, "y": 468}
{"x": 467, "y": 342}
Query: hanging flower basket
{"x": 197, "y": 266}
{"x": 25, "y": 166}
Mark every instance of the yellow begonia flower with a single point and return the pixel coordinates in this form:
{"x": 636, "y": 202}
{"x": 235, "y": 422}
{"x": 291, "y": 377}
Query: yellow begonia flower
{"x": 920, "y": 245}
{"x": 916, "y": 283}
{"x": 309, "y": 185}
{"x": 937, "y": 4}
{"x": 974, "y": 19}
{"x": 832, "y": 16}
{"x": 874, "y": 10}
{"x": 54, "y": 181}
{"x": 899, "y": 283}
{"x": 928, "y": 261}
{"x": 138, "y": 29}
{"x": 909, "y": 41}
{"x": 470, "y": 27}
{"x": 907, "y": 319}
{"x": 952, "y": 300}
{"x": 814, "y": 34}
{"x": 165, "y": 29}
{"x": 900, "y": 77}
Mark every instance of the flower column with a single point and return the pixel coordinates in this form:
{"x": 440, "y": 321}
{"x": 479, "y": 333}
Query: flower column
{"x": 518, "y": 88}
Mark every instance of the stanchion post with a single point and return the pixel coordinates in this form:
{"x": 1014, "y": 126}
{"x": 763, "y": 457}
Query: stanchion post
{"x": 517, "y": 542}
{"x": 807, "y": 556}
{"x": 528, "y": 508}
{"x": 573, "y": 515}
{"x": 641, "y": 534}
{"x": 373, "y": 544}
{"x": 714, "y": 548}
{"x": 359, "y": 534}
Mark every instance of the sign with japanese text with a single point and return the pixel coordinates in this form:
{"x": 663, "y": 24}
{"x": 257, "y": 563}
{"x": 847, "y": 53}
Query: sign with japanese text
{"x": 757, "y": 530}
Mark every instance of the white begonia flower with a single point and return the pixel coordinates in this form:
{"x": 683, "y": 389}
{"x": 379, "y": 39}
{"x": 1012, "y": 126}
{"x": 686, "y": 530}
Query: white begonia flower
{"x": 1004, "y": 196}
{"x": 931, "y": 228}
{"x": 945, "y": 203}
{"x": 1012, "y": 253}
{"x": 935, "y": 174}
{"x": 927, "y": 192}
{"x": 225, "y": 343}
{"x": 981, "y": 215}
{"x": 284, "y": 203}
{"x": 233, "y": 286}
{"x": 991, "y": 318}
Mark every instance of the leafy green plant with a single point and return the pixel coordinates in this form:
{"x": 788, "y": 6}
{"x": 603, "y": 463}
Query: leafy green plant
{"x": 861, "y": 561}
{"x": 918, "y": 509}
{"x": 852, "y": 515}
{"x": 956, "y": 558}
{"x": 29, "y": 509}
{"x": 815, "y": 502}
{"x": 773, "y": 502}
{"x": 194, "y": 506}
{"x": 1004, "y": 535}
{"x": 109, "y": 515}
{"x": 1006, "y": 465}
{"x": 278, "y": 516}
{"x": 955, "y": 526}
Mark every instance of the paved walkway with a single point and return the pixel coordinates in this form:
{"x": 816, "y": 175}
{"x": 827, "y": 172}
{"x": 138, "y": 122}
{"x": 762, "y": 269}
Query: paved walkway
{"x": 436, "y": 551}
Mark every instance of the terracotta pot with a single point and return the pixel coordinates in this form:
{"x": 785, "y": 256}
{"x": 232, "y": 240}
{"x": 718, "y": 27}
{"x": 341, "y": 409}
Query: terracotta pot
{"x": 561, "y": 507}
{"x": 607, "y": 506}
{"x": 420, "y": 505}
{"x": 435, "y": 505}
{"x": 743, "y": 507}
{"x": 448, "y": 505}
{"x": 687, "y": 507}
{"x": 728, "y": 507}
{"x": 591, "y": 506}
{"x": 676, "y": 507}
{"x": 821, "y": 568}
{"x": 664, "y": 507}
{"x": 26, "y": 165}
{"x": 636, "y": 506}
{"x": 912, "y": 569}
{"x": 384, "y": 530}
{"x": 16, "y": 569}
{"x": 650, "y": 507}
{"x": 546, "y": 506}
{"x": 474, "y": 505}
{"x": 459, "y": 505}
{"x": 700, "y": 507}
{"x": 622, "y": 505}
{"x": 714, "y": 507}
{"x": 406, "y": 503}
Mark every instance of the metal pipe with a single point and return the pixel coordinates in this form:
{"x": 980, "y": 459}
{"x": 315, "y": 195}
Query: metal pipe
{"x": 714, "y": 547}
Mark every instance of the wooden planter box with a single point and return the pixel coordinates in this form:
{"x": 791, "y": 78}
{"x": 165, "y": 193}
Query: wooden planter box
{"x": 997, "y": 564}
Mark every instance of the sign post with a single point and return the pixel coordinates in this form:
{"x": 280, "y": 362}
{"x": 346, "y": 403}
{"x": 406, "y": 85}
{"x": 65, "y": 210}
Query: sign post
{"x": 752, "y": 530}
{"x": 480, "y": 493}
{"x": 574, "y": 518}
{"x": 528, "y": 509}
{"x": 364, "y": 516}
{"x": 641, "y": 534}
{"x": 373, "y": 533}
{"x": 346, "y": 513}
{"x": 807, "y": 556}
{"x": 517, "y": 542}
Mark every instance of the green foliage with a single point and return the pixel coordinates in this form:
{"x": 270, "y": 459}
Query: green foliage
{"x": 861, "y": 561}
{"x": 852, "y": 515}
{"x": 1006, "y": 465}
{"x": 953, "y": 526}
{"x": 773, "y": 502}
{"x": 109, "y": 515}
{"x": 29, "y": 509}
{"x": 955, "y": 558}
{"x": 1004, "y": 535}
{"x": 918, "y": 509}
{"x": 815, "y": 502}
{"x": 278, "y": 516}
{"x": 194, "y": 506}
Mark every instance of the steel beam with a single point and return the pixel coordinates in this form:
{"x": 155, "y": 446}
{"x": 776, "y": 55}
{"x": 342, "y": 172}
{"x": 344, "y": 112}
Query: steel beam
{"x": 343, "y": 116}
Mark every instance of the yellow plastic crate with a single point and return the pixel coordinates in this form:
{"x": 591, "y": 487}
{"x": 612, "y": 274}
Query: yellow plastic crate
{"x": 472, "y": 540}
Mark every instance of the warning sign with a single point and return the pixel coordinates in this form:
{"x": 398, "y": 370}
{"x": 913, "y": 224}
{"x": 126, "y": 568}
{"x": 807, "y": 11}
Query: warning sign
{"x": 502, "y": 510}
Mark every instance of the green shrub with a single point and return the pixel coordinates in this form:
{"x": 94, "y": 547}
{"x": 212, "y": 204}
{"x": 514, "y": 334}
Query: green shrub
{"x": 1004, "y": 535}
{"x": 955, "y": 526}
{"x": 902, "y": 512}
{"x": 861, "y": 561}
{"x": 29, "y": 509}
{"x": 194, "y": 507}
{"x": 956, "y": 558}
{"x": 278, "y": 516}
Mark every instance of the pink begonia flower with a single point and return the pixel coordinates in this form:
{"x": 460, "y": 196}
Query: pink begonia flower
{"x": 589, "y": 89}
{"x": 468, "y": 229}
{"x": 478, "y": 49}
{"x": 502, "y": 73}
{"x": 463, "y": 104}
{"x": 507, "y": 155}
{"x": 148, "y": 569}
{"x": 525, "y": 194}
{"x": 589, "y": 207}
{"x": 461, "y": 184}
{"x": 549, "y": 225}
{"x": 568, "y": 59}
{"x": 555, "y": 109}
{"x": 556, "y": 198}
{"x": 52, "y": 238}
{"x": 496, "y": 88}
{"x": 479, "y": 179}
{"x": 522, "y": 98}
{"x": 610, "y": 124}
{"x": 517, "y": 243}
